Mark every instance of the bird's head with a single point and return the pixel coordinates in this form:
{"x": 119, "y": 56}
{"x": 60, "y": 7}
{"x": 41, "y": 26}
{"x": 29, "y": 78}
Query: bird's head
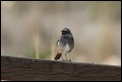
{"x": 65, "y": 31}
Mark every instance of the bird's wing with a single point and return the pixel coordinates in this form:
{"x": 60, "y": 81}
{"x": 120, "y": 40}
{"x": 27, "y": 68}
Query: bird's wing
{"x": 61, "y": 44}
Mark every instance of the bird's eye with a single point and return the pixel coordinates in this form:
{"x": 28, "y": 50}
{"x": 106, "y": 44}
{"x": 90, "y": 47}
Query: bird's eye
{"x": 64, "y": 32}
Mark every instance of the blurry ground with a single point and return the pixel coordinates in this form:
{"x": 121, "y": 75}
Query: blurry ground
{"x": 31, "y": 29}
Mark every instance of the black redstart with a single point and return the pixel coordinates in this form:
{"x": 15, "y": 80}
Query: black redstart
{"x": 65, "y": 44}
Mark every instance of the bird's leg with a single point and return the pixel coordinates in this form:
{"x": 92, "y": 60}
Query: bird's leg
{"x": 66, "y": 57}
{"x": 62, "y": 58}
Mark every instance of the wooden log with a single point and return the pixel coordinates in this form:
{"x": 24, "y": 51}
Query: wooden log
{"x": 25, "y": 69}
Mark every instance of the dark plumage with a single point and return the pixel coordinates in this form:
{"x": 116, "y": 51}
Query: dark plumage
{"x": 65, "y": 44}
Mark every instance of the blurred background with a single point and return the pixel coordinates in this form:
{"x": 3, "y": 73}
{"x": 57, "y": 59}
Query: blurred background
{"x": 31, "y": 29}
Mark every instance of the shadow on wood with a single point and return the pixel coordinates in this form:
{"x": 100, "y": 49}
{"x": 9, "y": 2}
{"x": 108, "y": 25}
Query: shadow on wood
{"x": 15, "y": 68}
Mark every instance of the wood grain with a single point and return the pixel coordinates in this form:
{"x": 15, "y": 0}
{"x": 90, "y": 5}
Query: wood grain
{"x": 25, "y": 69}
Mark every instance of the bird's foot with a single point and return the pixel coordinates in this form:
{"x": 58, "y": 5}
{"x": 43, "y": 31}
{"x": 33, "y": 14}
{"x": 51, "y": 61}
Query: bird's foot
{"x": 70, "y": 60}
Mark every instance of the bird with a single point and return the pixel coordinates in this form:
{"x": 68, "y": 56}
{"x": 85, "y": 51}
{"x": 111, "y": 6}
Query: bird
{"x": 64, "y": 45}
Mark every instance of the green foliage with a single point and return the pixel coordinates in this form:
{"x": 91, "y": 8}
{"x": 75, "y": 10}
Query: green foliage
{"x": 45, "y": 55}
{"x": 32, "y": 54}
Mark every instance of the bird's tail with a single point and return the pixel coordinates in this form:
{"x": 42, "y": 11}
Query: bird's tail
{"x": 57, "y": 56}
